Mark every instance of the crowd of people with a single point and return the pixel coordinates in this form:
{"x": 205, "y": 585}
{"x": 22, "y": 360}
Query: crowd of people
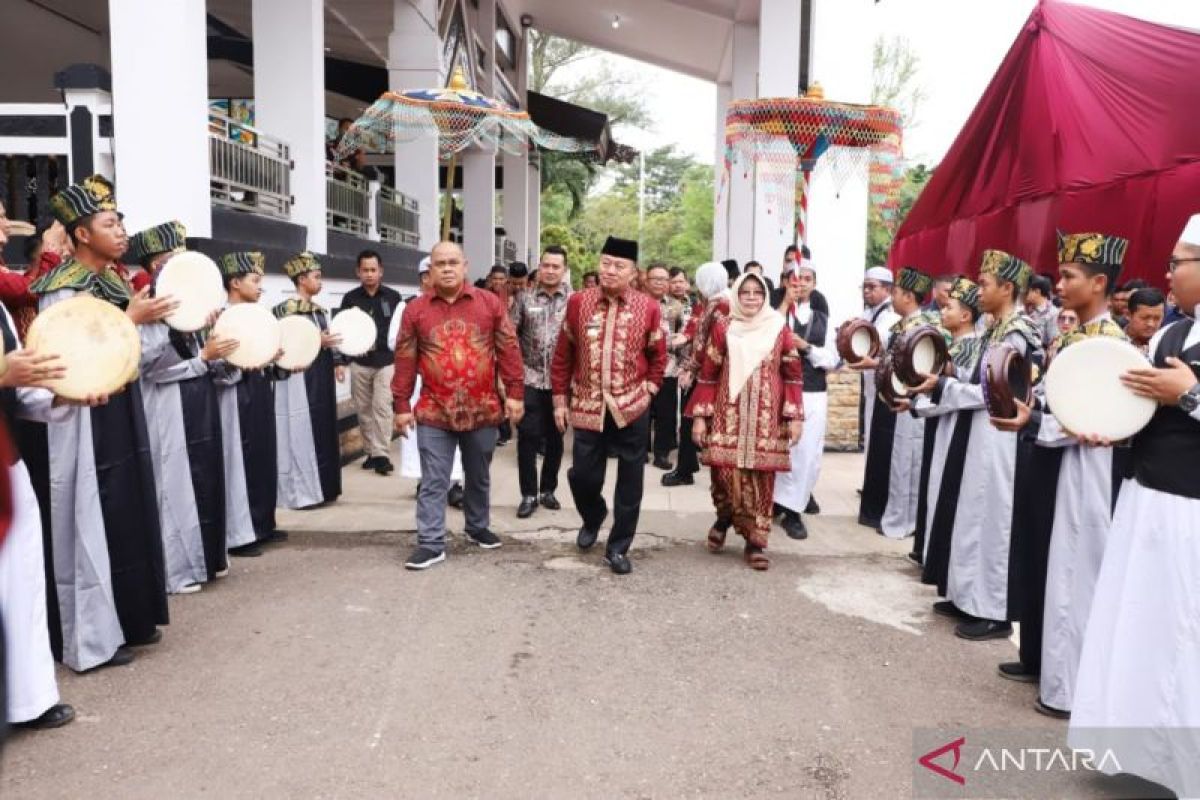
{"x": 124, "y": 498}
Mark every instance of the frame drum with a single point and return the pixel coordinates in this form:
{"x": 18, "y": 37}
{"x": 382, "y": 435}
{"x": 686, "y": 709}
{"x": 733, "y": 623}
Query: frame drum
{"x": 922, "y": 352}
{"x": 194, "y": 280}
{"x": 1006, "y": 376}
{"x": 95, "y": 341}
{"x": 1085, "y": 393}
{"x": 256, "y": 331}
{"x": 857, "y": 339}
{"x": 890, "y": 387}
{"x": 300, "y": 339}
{"x": 357, "y": 330}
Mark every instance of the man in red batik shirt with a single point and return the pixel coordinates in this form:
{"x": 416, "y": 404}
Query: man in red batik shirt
{"x": 458, "y": 337}
{"x": 608, "y": 365}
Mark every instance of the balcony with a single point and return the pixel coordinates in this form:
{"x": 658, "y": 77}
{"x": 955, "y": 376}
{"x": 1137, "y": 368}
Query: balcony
{"x": 248, "y": 169}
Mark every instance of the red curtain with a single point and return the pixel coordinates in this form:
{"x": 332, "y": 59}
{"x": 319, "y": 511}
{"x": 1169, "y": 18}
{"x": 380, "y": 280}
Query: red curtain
{"x": 1090, "y": 123}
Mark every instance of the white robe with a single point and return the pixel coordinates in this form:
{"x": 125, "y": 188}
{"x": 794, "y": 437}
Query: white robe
{"x": 1137, "y": 690}
{"x": 30, "y": 685}
{"x": 977, "y": 580}
{"x": 883, "y": 325}
{"x": 794, "y": 488}
{"x": 904, "y": 478}
{"x": 239, "y": 525}
{"x": 296, "y": 452}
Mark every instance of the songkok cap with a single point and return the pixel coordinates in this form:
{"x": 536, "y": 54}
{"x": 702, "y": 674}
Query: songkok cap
{"x": 301, "y": 264}
{"x": 1006, "y": 267}
{"x": 234, "y": 264}
{"x": 881, "y": 274}
{"x": 81, "y": 200}
{"x": 423, "y": 267}
{"x": 1097, "y": 249}
{"x": 966, "y": 291}
{"x": 914, "y": 280}
{"x": 169, "y": 237}
{"x": 620, "y": 248}
{"x": 1191, "y": 231}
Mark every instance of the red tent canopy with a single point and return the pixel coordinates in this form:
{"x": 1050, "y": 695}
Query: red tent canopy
{"x": 1089, "y": 124}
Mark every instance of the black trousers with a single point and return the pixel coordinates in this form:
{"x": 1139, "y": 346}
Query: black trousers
{"x": 689, "y": 458}
{"x": 664, "y": 408}
{"x": 537, "y": 428}
{"x": 586, "y": 477}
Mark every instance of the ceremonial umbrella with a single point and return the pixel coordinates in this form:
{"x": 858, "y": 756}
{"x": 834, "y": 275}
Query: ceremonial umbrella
{"x": 786, "y": 138}
{"x": 459, "y": 117}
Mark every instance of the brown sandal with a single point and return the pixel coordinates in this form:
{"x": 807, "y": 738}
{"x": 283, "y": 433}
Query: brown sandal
{"x": 716, "y": 536}
{"x": 756, "y": 558}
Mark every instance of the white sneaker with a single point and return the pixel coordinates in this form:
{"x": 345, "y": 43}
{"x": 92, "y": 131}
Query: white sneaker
{"x": 221, "y": 573}
{"x": 191, "y": 588}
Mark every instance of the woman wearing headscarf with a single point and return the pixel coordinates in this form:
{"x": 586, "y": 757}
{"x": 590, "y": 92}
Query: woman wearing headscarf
{"x": 712, "y": 282}
{"x": 748, "y": 411}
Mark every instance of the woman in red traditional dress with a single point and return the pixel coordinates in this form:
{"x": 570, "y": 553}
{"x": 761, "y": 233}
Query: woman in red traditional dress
{"x": 748, "y": 408}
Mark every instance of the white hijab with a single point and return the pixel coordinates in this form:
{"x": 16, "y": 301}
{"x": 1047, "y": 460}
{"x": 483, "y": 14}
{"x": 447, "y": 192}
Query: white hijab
{"x": 712, "y": 280}
{"x": 749, "y": 339}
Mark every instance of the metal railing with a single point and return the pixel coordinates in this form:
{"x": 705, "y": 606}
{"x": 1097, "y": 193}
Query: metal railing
{"x": 398, "y": 217}
{"x": 347, "y": 200}
{"x": 248, "y": 169}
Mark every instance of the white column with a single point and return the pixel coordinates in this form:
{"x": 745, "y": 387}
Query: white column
{"x": 479, "y": 209}
{"x": 740, "y": 241}
{"x": 721, "y": 185}
{"x": 778, "y": 76}
{"x": 534, "y": 219}
{"x": 160, "y": 112}
{"x": 515, "y": 205}
{"x": 414, "y": 62}
{"x": 289, "y": 99}
{"x": 837, "y": 219}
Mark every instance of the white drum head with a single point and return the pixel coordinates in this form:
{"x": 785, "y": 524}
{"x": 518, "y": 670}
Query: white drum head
{"x": 194, "y": 280}
{"x": 300, "y": 339}
{"x": 94, "y": 340}
{"x": 860, "y": 343}
{"x": 256, "y": 331}
{"x": 898, "y": 386}
{"x": 357, "y": 330}
{"x": 1085, "y": 393}
{"x": 924, "y": 356}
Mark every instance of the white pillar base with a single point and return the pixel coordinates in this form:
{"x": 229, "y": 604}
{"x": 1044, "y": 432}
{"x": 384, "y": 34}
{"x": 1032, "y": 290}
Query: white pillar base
{"x": 515, "y": 206}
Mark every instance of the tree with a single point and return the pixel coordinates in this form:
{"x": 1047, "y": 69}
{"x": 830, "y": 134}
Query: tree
{"x": 665, "y": 169}
{"x": 880, "y": 231}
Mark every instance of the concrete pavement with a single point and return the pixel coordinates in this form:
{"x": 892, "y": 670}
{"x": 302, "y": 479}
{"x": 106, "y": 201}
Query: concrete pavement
{"x": 324, "y": 669}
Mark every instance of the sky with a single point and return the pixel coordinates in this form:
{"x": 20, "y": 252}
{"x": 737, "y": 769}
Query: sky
{"x": 960, "y": 43}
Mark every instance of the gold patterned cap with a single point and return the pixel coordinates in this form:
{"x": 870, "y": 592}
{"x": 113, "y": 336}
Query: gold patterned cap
{"x": 243, "y": 263}
{"x": 1006, "y": 267}
{"x": 80, "y": 200}
{"x": 914, "y": 280}
{"x": 301, "y": 264}
{"x": 966, "y": 291}
{"x": 1098, "y": 249}
{"x": 169, "y": 237}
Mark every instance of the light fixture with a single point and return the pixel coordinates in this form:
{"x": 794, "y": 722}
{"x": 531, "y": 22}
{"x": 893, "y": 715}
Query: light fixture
{"x": 616, "y": 21}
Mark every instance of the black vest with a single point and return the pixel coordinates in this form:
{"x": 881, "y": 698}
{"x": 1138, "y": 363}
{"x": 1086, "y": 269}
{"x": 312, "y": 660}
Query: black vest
{"x": 814, "y": 334}
{"x": 1164, "y": 453}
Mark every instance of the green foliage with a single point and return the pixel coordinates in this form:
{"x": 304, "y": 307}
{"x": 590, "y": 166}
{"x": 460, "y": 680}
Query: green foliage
{"x": 881, "y": 232}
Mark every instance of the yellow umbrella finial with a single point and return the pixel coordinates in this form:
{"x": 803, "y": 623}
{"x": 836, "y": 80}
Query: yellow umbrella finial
{"x": 815, "y": 92}
{"x": 458, "y": 80}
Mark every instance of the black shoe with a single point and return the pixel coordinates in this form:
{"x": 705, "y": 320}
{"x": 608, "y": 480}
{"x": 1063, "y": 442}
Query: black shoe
{"x": 527, "y": 507}
{"x": 1050, "y": 711}
{"x": 153, "y": 638}
{"x": 120, "y": 658}
{"x": 549, "y": 501}
{"x": 56, "y": 716}
{"x": 274, "y": 537}
{"x": 501, "y": 442}
{"x": 618, "y": 563}
{"x": 1017, "y": 671}
{"x": 914, "y": 557}
{"x": 813, "y": 506}
{"x": 456, "y": 496}
{"x": 383, "y": 465}
{"x": 587, "y": 537}
{"x": 677, "y": 478}
{"x": 983, "y": 629}
{"x": 251, "y": 550}
{"x": 424, "y": 558}
{"x": 369, "y": 462}
{"x": 793, "y": 526}
{"x": 662, "y": 463}
{"x": 948, "y": 609}
{"x": 485, "y": 539}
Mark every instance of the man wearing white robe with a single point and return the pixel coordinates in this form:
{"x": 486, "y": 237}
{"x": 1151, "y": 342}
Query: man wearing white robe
{"x": 877, "y": 309}
{"x": 1136, "y": 692}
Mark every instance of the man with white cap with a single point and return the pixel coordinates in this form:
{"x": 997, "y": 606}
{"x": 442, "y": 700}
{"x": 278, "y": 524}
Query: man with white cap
{"x": 410, "y": 457}
{"x": 793, "y": 489}
{"x": 877, "y": 308}
{"x": 1136, "y": 693}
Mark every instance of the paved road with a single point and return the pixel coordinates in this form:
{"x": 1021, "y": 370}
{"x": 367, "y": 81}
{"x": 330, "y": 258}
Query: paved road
{"x": 324, "y": 669}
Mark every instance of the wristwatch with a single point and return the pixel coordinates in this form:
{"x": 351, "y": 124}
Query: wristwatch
{"x": 1189, "y": 401}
